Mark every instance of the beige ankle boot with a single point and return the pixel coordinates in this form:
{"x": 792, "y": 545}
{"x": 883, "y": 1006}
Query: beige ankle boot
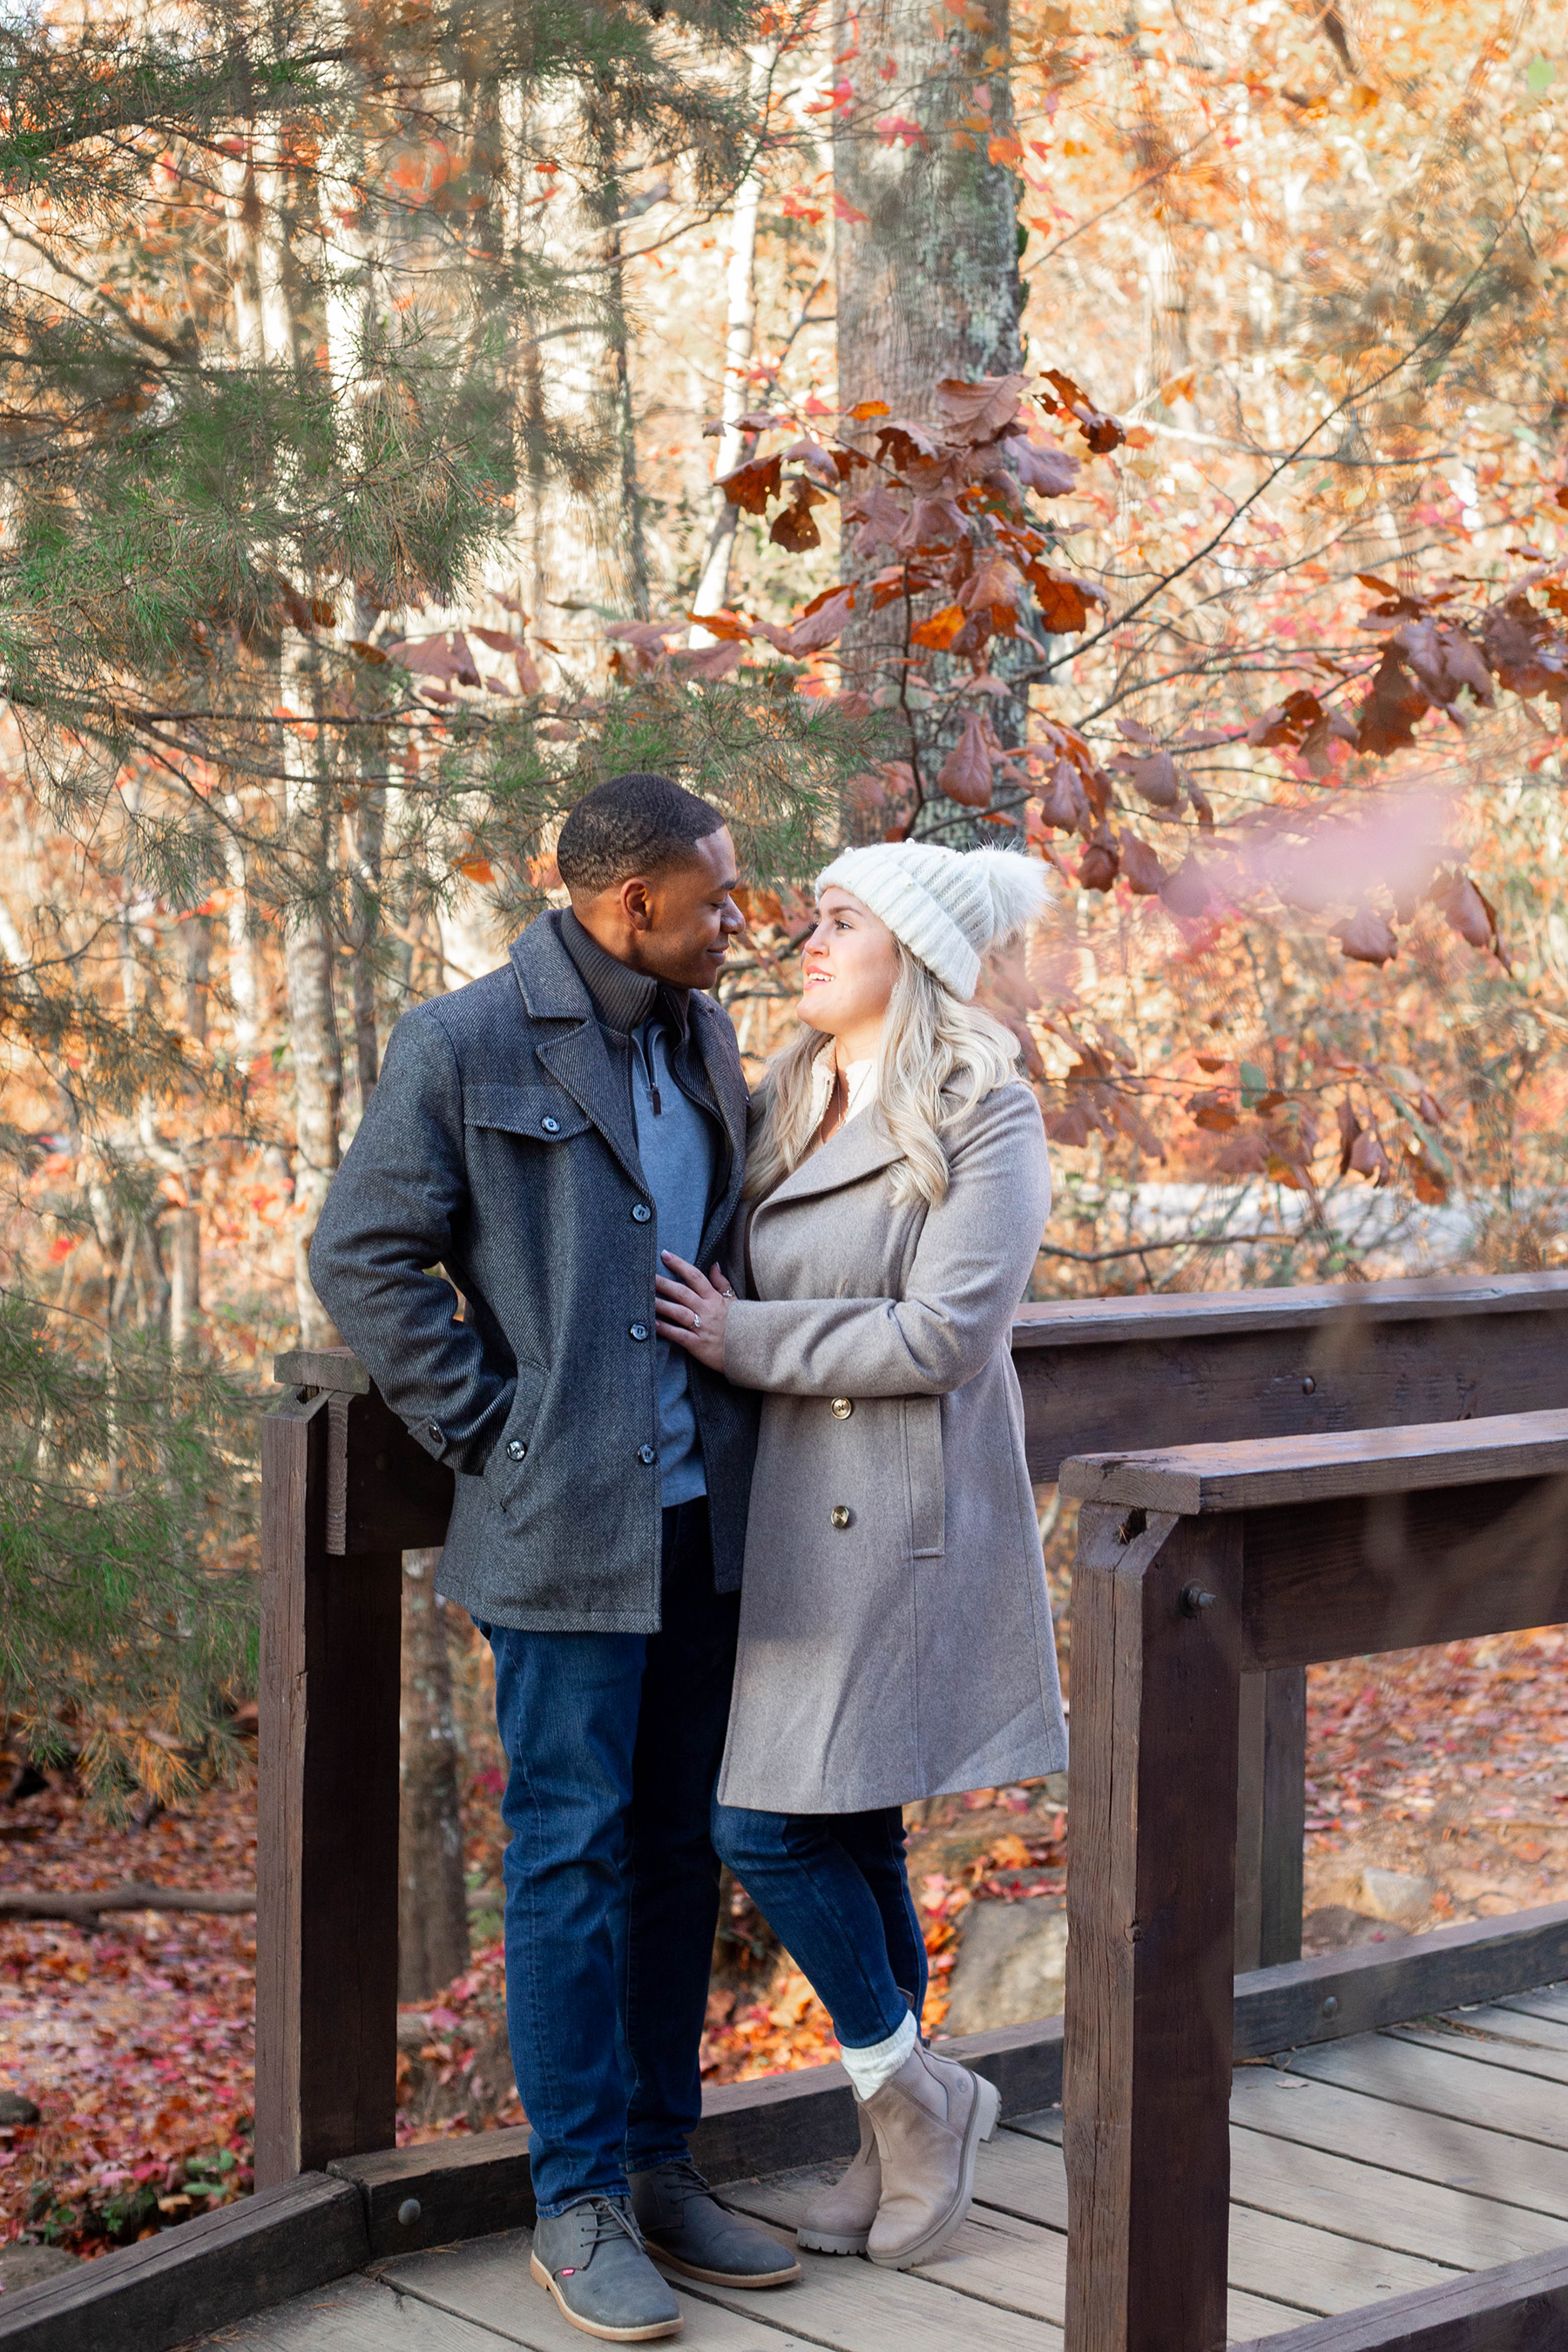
{"x": 838, "y": 2221}
{"x": 929, "y": 2122}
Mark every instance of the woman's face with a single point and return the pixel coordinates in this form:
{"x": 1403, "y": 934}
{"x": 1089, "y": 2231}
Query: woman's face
{"x": 850, "y": 962}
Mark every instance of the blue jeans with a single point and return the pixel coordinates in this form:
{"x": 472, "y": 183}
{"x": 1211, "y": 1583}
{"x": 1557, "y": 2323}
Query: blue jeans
{"x": 834, "y": 1889}
{"x": 611, "y": 1883}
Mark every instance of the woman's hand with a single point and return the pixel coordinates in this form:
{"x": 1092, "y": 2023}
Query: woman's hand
{"x": 693, "y": 1310}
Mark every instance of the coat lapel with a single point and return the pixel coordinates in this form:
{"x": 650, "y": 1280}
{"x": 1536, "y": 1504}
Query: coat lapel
{"x": 859, "y": 1149}
{"x": 552, "y": 990}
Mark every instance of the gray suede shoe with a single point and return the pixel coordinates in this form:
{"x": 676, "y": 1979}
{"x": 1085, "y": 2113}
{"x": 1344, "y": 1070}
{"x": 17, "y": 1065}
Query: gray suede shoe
{"x": 591, "y": 2259}
{"x": 687, "y": 2228}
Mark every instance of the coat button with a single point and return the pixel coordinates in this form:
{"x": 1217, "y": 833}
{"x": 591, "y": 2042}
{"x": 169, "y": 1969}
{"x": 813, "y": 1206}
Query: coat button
{"x": 516, "y": 1449}
{"x": 433, "y": 1429}
{"x": 551, "y": 1126}
{"x": 647, "y": 1456}
{"x": 639, "y": 1330}
{"x": 841, "y": 1515}
{"x": 842, "y": 1408}
{"x": 641, "y": 1213}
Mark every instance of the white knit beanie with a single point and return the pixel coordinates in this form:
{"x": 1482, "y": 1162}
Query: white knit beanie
{"x": 947, "y": 905}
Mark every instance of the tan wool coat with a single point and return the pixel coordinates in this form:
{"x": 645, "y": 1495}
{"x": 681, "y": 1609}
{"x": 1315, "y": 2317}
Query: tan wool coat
{"x": 895, "y": 1630}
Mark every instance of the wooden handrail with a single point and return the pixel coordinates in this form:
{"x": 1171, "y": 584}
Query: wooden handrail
{"x": 1261, "y": 1473}
{"x": 1192, "y": 1567}
{"x": 346, "y": 1490}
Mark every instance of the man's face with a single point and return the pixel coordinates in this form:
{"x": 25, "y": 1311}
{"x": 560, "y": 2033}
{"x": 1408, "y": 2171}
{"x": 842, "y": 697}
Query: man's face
{"x": 682, "y": 919}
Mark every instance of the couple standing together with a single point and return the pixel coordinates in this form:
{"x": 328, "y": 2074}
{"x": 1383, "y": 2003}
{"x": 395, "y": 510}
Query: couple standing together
{"x": 754, "y": 1547}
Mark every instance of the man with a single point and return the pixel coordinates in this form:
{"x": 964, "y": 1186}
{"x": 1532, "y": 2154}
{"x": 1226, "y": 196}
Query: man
{"x": 542, "y": 1135}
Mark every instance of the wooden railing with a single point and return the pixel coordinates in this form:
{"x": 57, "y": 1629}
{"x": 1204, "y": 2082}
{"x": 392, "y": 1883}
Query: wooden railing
{"x": 1195, "y": 1567}
{"x": 346, "y": 1490}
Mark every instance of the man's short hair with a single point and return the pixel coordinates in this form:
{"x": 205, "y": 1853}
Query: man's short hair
{"x": 627, "y": 825}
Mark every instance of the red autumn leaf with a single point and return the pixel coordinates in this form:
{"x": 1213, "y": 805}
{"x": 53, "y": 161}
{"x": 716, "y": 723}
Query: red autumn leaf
{"x": 1214, "y": 1110}
{"x": 759, "y": 905}
{"x": 1145, "y": 875}
{"x": 793, "y": 526}
{"x": 1444, "y": 659}
{"x": 1102, "y": 432}
{"x": 1350, "y": 1133}
{"x": 1049, "y": 472}
{"x": 1386, "y": 719}
{"x": 1097, "y": 869}
{"x": 1431, "y": 1185}
{"x": 750, "y": 486}
{"x": 965, "y": 773}
{"x": 1368, "y": 1158}
{"x": 436, "y": 658}
{"x": 1154, "y": 779}
{"x": 708, "y": 661}
{"x": 1073, "y": 1126}
{"x": 867, "y": 408}
{"x": 1063, "y": 598}
{"x": 845, "y": 211}
{"x": 977, "y": 412}
{"x": 992, "y": 594}
{"x": 824, "y": 619}
{"x": 1288, "y": 722}
{"x": 477, "y": 869}
{"x": 939, "y": 632}
{"x": 1367, "y": 938}
{"x": 725, "y": 625}
{"x": 1187, "y": 892}
{"x": 1064, "y": 803}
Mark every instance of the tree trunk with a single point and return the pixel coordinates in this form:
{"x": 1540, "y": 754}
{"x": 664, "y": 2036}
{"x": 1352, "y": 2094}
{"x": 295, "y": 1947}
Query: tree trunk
{"x": 579, "y": 531}
{"x": 317, "y": 1102}
{"x": 432, "y": 1899}
{"x": 184, "y": 1277}
{"x": 740, "y": 336}
{"x": 928, "y": 282}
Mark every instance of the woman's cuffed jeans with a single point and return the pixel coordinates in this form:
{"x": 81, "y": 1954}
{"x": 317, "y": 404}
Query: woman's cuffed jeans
{"x": 611, "y": 1883}
{"x": 834, "y": 1889}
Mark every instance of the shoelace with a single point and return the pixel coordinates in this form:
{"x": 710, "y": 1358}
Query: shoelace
{"x": 608, "y": 2219}
{"x": 682, "y": 2181}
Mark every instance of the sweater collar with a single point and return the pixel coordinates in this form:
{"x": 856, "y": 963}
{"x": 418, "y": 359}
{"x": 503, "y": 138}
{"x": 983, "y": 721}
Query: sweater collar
{"x": 623, "y": 999}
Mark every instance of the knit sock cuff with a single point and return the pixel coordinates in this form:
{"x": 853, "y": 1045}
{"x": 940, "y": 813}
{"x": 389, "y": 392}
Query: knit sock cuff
{"x": 869, "y": 2069}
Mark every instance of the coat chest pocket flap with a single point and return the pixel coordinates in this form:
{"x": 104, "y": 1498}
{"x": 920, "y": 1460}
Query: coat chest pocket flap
{"x": 544, "y": 1114}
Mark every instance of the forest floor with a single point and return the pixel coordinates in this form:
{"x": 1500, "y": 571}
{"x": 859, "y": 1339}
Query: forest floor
{"x": 1442, "y": 1773}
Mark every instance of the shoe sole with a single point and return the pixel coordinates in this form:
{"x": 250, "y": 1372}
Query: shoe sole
{"x": 541, "y": 2277}
{"x": 833, "y": 2241}
{"x": 981, "y": 2124}
{"x": 720, "y": 2278}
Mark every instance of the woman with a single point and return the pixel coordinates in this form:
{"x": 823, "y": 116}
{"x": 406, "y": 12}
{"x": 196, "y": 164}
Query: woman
{"x": 895, "y": 1630}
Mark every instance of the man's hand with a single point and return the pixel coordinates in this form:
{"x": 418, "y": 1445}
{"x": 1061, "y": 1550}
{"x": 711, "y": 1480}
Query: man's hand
{"x": 693, "y": 1310}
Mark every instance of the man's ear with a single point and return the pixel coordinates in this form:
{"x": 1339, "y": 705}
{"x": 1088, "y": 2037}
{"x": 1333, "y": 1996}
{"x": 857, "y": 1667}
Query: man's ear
{"x": 637, "y": 904}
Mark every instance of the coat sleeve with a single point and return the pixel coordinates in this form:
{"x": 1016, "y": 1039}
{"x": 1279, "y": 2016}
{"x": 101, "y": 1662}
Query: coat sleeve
{"x": 971, "y": 1266}
{"x": 394, "y": 1208}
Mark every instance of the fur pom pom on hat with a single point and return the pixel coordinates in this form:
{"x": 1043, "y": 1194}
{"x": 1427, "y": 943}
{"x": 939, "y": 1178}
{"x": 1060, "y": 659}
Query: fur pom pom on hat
{"x": 949, "y": 907}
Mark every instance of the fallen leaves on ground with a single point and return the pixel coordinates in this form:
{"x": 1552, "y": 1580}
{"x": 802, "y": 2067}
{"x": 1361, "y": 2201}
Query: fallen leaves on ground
{"x": 136, "y": 2043}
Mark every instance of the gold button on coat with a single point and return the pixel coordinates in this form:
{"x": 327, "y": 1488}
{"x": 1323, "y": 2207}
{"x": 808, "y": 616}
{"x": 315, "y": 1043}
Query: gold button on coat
{"x": 841, "y": 1515}
{"x": 842, "y": 1408}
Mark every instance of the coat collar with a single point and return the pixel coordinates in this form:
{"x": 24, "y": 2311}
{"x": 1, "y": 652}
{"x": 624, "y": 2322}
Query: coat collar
{"x": 552, "y": 989}
{"x": 861, "y": 1148}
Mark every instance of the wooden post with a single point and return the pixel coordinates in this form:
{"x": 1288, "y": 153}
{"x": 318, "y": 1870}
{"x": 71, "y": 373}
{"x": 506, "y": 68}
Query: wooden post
{"x": 1271, "y": 1816}
{"x": 1150, "y": 1906}
{"x": 326, "y": 1947}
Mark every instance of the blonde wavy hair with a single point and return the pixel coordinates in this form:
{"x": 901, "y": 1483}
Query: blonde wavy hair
{"x": 938, "y": 1058}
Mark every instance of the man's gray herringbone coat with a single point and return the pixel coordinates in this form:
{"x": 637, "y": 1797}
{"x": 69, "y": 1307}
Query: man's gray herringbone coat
{"x": 500, "y": 1144}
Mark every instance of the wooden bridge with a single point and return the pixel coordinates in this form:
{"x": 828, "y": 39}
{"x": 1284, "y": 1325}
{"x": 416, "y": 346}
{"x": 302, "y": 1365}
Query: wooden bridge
{"x": 1395, "y": 1471}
